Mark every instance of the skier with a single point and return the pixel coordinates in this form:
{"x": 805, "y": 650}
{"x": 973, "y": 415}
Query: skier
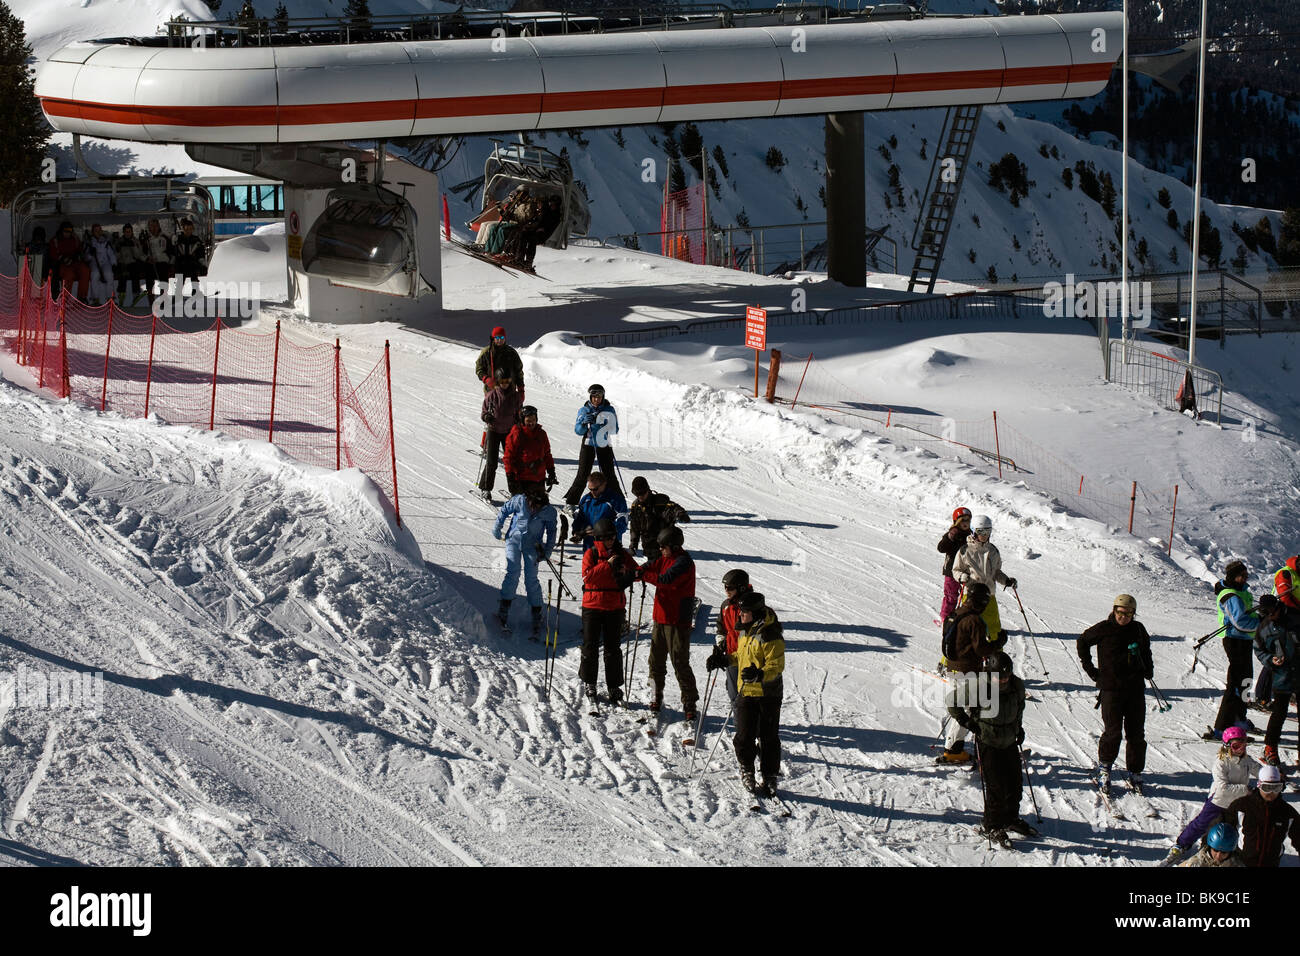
{"x": 600, "y": 501}
{"x": 759, "y": 661}
{"x": 190, "y": 255}
{"x": 979, "y": 561}
{"x": 499, "y": 355}
{"x": 998, "y": 730}
{"x": 651, "y": 513}
{"x": 67, "y": 259}
{"x": 527, "y": 458}
{"x": 1123, "y": 665}
{"x": 1277, "y": 645}
{"x": 736, "y": 583}
{"x": 157, "y": 255}
{"x": 500, "y": 413}
{"x": 1233, "y": 768}
{"x": 596, "y": 422}
{"x": 673, "y": 576}
{"x": 607, "y": 571}
{"x": 530, "y": 539}
{"x": 952, "y": 541}
{"x": 967, "y": 640}
{"x": 101, "y": 258}
{"x": 1220, "y": 848}
{"x": 1239, "y": 625}
{"x": 131, "y": 268}
{"x": 1266, "y": 821}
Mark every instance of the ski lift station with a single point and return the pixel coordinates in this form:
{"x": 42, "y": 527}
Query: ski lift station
{"x": 362, "y": 228}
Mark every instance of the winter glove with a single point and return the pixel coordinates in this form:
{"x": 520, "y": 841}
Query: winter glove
{"x": 487, "y": 380}
{"x": 551, "y": 480}
{"x": 1093, "y": 675}
{"x": 751, "y": 674}
{"x": 486, "y": 418}
{"x": 1011, "y": 583}
{"x": 717, "y": 660}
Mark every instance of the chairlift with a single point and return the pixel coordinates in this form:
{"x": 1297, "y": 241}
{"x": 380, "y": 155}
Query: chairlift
{"x": 365, "y": 238}
{"x": 542, "y": 173}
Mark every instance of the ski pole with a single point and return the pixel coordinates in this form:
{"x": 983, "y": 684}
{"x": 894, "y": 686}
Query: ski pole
{"x": 627, "y": 641}
{"x": 1077, "y": 665}
{"x": 559, "y": 600}
{"x": 1046, "y": 672}
{"x": 1196, "y": 646}
{"x": 564, "y": 587}
{"x": 699, "y": 725}
{"x": 631, "y": 688}
{"x": 979, "y": 764}
{"x": 1029, "y": 775}
{"x": 730, "y": 711}
{"x": 1162, "y": 701}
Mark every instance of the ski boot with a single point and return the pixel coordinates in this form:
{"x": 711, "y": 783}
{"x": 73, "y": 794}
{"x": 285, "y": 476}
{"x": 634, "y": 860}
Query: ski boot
{"x": 503, "y": 614}
{"x": 590, "y": 691}
{"x": 1175, "y": 854}
{"x": 1136, "y": 784}
{"x": 769, "y": 785}
{"x": 1270, "y": 756}
{"x": 748, "y": 782}
{"x": 485, "y": 494}
{"x": 657, "y": 702}
{"x": 1001, "y": 838}
{"x": 1023, "y": 828}
{"x": 954, "y": 756}
{"x": 615, "y": 696}
{"x": 689, "y": 712}
{"x": 537, "y": 621}
{"x": 1103, "y": 778}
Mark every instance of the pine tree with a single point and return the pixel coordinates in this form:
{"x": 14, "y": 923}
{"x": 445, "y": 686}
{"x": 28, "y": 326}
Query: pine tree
{"x": 1288, "y": 243}
{"x": 26, "y": 133}
{"x": 1162, "y": 197}
{"x": 282, "y": 18}
{"x": 358, "y": 14}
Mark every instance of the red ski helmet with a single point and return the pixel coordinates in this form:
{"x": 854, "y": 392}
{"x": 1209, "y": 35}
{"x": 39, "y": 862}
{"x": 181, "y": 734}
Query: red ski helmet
{"x": 959, "y": 514}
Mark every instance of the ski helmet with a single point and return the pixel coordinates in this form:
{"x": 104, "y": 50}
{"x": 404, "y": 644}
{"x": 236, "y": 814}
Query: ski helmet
{"x": 639, "y": 485}
{"x": 1270, "y": 777}
{"x": 753, "y": 602}
{"x": 1126, "y": 602}
{"x": 977, "y": 595}
{"x": 735, "y": 580}
{"x": 604, "y": 528}
{"x": 503, "y": 374}
{"x": 671, "y": 537}
{"x": 981, "y": 523}
{"x": 1223, "y": 838}
{"x": 959, "y": 514}
{"x": 537, "y": 497}
{"x": 527, "y": 412}
{"x": 999, "y": 662}
{"x": 1235, "y": 732}
{"x": 596, "y": 390}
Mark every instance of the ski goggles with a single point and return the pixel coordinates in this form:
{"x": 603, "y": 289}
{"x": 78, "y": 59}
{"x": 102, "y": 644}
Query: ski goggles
{"x": 1271, "y": 787}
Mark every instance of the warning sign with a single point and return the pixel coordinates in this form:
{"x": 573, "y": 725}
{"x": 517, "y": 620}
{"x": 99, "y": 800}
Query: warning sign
{"x": 293, "y": 246}
{"x": 755, "y": 328}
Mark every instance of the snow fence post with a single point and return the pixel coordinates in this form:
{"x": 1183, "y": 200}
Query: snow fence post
{"x": 216, "y": 354}
{"x": 108, "y": 348}
{"x": 773, "y": 372}
{"x": 275, "y": 375}
{"x": 1174, "y": 514}
{"x": 446, "y": 218}
{"x": 997, "y": 444}
{"x": 148, "y": 375}
{"x": 63, "y": 340}
{"x": 801, "y": 378}
{"x": 1132, "y": 502}
{"x": 338, "y": 410}
{"x": 392, "y": 442}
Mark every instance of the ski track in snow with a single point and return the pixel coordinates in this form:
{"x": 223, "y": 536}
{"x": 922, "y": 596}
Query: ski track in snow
{"x": 283, "y": 688}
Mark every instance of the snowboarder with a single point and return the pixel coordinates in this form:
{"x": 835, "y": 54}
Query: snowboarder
{"x": 527, "y": 458}
{"x": 967, "y": 645}
{"x": 952, "y": 541}
{"x": 998, "y": 730}
{"x": 607, "y": 571}
{"x": 651, "y": 513}
{"x": 736, "y": 583}
{"x": 67, "y": 260}
{"x": 1233, "y": 768}
{"x": 1277, "y": 645}
{"x": 529, "y": 540}
{"x": 498, "y": 355}
{"x": 190, "y": 256}
{"x": 1123, "y": 666}
{"x": 759, "y": 661}
{"x": 597, "y": 422}
{"x": 1266, "y": 821}
{"x": 1220, "y": 848}
{"x": 980, "y": 562}
{"x": 601, "y": 501}
{"x": 1238, "y": 624}
{"x": 500, "y": 414}
{"x": 102, "y": 260}
{"x": 673, "y": 576}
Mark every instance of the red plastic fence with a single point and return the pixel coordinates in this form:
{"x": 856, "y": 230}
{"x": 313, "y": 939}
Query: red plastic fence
{"x": 681, "y": 222}
{"x": 993, "y": 444}
{"x": 257, "y": 385}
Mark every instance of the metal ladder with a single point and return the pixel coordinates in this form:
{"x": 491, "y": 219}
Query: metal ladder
{"x": 931, "y": 234}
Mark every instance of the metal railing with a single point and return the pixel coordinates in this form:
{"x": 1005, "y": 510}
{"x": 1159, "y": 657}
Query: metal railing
{"x": 1160, "y": 376}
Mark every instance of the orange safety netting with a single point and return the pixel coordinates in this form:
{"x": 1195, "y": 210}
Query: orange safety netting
{"x": 209, "y": 375}
{"x": 681, "y": 223}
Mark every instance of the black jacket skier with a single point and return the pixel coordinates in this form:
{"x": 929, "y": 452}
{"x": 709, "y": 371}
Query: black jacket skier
{"x": 1123, "y": 666}
{"x": 651, "y": 513}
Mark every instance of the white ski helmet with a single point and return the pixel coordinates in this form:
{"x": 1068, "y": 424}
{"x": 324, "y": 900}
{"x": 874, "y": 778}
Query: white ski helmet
{"x": 981, "y": 524}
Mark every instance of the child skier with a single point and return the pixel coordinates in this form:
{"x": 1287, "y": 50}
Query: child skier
{"x": 980, "y": 562}
{"x": 952, "y": 541}
{"x": 1233, "y": 768}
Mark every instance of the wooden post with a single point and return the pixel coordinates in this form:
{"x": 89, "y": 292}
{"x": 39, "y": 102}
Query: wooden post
{"x": 889, "y": 416}
{"x": 392, "y": 441}
{"x": 216, "y": 354}
{"x": 1132, "y": 503}
{"x": 801, "y": 378}
{"x": 1172, "y": 516}
{"x": 108, "y": 348}
{"x": 997, "y": 443}
{"x": 338, "y": 410}
{"x": 1081, "y": 484}
{"x": 773, "y": 372}
{"x": 757, "y": 353}
{"x": 275, "y": 375}
{"x": 148, "y": 376}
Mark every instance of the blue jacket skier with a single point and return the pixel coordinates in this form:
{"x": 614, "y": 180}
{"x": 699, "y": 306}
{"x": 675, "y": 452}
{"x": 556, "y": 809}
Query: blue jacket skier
{"x": 601, "y": 501}
{"x": 530, "y": 539}
{"x": 597, "y": 423}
